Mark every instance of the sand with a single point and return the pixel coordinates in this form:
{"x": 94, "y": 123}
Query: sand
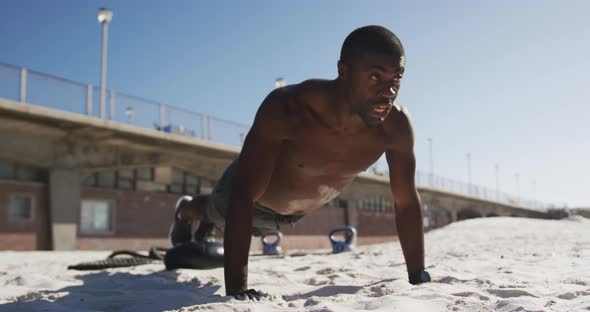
{"x": 491, "y": 264}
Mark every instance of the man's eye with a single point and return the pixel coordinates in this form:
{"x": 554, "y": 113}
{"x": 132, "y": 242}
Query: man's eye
{"x": 374, "y": 77}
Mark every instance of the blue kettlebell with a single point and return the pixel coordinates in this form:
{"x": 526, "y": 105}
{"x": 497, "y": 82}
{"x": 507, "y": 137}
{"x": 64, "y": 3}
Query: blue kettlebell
{"x": 273, "y": 247}
{"x": 347, "y": 244}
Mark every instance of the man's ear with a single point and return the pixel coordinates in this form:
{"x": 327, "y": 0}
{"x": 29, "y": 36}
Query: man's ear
{"x": 342, "y": 70}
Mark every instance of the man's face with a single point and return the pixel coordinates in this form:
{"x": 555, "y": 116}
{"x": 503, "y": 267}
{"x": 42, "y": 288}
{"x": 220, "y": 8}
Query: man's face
{"x": 373, "y": 81}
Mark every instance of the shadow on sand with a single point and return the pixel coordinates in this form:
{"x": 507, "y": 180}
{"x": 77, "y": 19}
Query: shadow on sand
{"x": 121, "y": 291}
{"x": 333, "y": 290}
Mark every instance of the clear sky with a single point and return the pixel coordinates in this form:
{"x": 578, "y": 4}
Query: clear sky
{"x": 505, "y": 81}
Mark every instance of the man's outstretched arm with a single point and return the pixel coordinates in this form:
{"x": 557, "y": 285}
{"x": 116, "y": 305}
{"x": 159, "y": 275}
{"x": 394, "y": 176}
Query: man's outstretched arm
{"x": 408, "y": 211}
{"x": 256, "y": 163}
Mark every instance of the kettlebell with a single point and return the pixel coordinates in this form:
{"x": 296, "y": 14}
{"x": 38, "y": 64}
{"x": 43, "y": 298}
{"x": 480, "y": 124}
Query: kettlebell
{"x": 272, "y": 248}
{"x": 347, "y": 244}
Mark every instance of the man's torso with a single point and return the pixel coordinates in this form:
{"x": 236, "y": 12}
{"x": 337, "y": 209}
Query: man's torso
{"x": 320, "y": 158}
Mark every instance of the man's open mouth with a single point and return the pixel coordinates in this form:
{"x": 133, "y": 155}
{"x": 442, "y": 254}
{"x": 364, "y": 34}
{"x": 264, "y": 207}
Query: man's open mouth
{"x": 381, "y": 109}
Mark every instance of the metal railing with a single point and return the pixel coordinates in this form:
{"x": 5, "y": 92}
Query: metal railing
{"x": 32, "y": 87}
{"x": 428, "y": 180}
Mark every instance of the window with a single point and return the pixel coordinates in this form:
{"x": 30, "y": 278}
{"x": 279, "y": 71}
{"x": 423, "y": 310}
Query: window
{"x": 96, "y": 217}
{"x": 21, "y": 208}
{"x": 125, "y": 179}
{"x": 337, "y": 203}
{"x": 106, "y": 179}
{"x": 125, "y": 184}
{"x": 11, "y": 171}
{"x": 177, "y": 185}
{"x": 6, "y": 170}
{"x": 206, "y": 186}
{"x": 192, "y": 184}
{"x": 145, "y": 174}
{"x": 177, "y": 176}
{"x": 378, "y": 204}
{"x": 126, "y": 174}
{"x": 89, "y": 180}
{"x": 25, "y": 173}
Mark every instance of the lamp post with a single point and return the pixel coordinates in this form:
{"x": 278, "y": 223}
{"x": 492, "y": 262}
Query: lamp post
{"x": 431, "y": 162}
{"x": 129, "y": 112}
{"x": 468, "y": 156}
{"x": 517, "y": 180}
{"x": 497, "y": 169}
{"x": 104, "y": 17}
{"x": 534, "y": 189}
{"x": 280, "y": 82}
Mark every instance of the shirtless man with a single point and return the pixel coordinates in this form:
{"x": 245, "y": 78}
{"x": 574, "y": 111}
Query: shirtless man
{"x": 307, "y": 143}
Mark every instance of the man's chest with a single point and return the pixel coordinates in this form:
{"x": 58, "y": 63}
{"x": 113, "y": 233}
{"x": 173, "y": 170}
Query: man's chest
{"x": 323, "y": 151}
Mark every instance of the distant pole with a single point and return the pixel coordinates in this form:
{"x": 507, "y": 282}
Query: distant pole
{"x": 468, "y": 156}
{"x": 104, "y": 17}
{"x": 517, "y": 181}
{"x": 497, "y": 170}
{"x": 431, "y": 162}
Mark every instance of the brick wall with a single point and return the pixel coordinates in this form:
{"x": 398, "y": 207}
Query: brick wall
{"x": 311, "y": 232}
{"x": 141, "y": 219}
{"x": 19, "y": 235}
{"x": 376, "y": 224}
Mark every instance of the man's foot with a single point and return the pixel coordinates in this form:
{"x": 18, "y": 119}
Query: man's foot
{"x": 181, "y": 230}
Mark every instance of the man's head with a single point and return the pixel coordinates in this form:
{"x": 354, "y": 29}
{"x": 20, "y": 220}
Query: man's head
{"x": 371, "y": 65}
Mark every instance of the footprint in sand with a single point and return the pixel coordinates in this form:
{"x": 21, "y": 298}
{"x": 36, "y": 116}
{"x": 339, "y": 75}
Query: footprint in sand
{"x": 471, "y": 294}
{"x": 380, "y": 290}
{"x": 17, "y": 281}
{"x": 509, "y": 293}
{"x": 575, "y": 282}
{"x": 326, "y": 271}
{"x": 573, "y": 295}
{"x": 453, "y": 280}
{"x": 305, "y": 268}
{"x": 317, "y": 281}
{"x": 449, "y": 280}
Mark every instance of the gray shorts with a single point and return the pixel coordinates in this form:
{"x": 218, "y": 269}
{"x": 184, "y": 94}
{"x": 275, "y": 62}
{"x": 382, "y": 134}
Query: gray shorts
{"x": 263, "y": 219}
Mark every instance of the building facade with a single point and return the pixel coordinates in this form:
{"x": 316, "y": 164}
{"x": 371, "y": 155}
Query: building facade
{"x": 132, "y": 208}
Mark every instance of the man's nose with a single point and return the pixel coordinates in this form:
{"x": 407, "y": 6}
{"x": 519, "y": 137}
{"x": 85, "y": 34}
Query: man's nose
{"x": 388, "y": 93}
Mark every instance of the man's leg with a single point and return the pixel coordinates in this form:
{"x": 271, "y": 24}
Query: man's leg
{"x": 193, "y": 210}
{"x": 188, "y": 210}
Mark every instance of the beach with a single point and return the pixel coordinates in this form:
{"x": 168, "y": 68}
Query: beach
{"x": 485, "y": 264}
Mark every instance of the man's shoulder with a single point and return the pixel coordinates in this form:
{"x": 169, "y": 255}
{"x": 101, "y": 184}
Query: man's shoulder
{"x": 290, "y": 100}
{"x": 399, "y": 119}
{"x": 398, "y": 126}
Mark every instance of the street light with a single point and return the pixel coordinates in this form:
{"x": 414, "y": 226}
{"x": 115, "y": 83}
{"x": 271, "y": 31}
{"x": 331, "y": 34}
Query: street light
{"x": 497, "y": 167}
{"x": 468, "y": 155}
{"x": 129, "y": 112}
{"x": 104, "y": 17}
{"x": 280, "y": 82}
{"x": 431, "y": 162}
{"x": 517, "y": 180}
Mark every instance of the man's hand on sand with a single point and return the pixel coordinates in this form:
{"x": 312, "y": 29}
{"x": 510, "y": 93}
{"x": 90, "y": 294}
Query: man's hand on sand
{"x": 250, "y": 294}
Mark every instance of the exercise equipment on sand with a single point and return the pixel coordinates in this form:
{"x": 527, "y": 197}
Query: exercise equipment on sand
{"x": 270, "y": 247}
{"x": 347, "y": 244}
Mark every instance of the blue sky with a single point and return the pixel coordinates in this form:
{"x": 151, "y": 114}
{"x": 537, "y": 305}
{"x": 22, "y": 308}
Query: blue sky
{"x": 502, "y": 80}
